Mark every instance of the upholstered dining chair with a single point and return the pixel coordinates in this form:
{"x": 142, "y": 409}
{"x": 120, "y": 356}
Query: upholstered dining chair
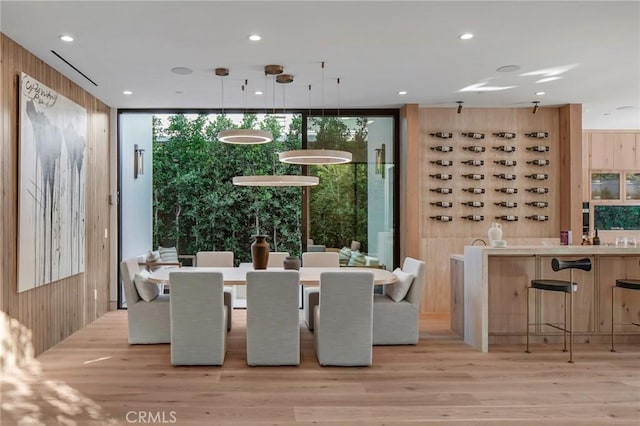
{"x": 276, "y": 258}
{"x": 273, "y": 318}
{"x": 219, "y": 259}
{"x": 147, "y": 322}
{"x": 198, "y": 318}
{"x": 311, "y": 295}
{"x": 396, "y": 322}
{"x": 344, "y": 319}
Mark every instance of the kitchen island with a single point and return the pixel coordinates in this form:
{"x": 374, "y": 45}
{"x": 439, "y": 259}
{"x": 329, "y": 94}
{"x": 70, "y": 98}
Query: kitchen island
{"x": 490, "y": 303}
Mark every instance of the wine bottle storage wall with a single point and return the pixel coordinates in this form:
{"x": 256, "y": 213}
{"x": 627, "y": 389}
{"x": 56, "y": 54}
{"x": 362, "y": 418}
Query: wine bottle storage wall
{"x": 476, "y": 171}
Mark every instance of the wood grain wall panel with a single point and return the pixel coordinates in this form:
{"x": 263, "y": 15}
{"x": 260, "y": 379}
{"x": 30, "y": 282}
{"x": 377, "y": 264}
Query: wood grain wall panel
{"x": 54, "y": 311}
{"x": 439, "y": 240}
{"x": 570, "y": 174}
{"x": 586, "y": 181}
{"x": 601, "y": 157}
{"x": 625, "y": 153}
{"x": 409, "y": 181}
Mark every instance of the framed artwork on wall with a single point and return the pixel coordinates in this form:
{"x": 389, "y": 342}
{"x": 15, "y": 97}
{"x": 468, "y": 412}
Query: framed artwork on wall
{"x": 52, "y": 183}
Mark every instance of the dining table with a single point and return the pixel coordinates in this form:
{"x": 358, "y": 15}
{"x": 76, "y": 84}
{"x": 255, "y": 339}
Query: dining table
{"x": 309, "y": 276}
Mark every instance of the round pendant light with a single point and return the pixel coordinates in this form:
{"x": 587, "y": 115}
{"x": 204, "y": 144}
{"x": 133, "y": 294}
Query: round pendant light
{"x": 315, "y": 156}
{"x": 240, "y": 136}
{"x": 245, "y": 136}
{"x": 276, "y": 180}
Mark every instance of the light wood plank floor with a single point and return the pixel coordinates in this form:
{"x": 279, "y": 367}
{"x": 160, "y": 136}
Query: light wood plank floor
{"x": 95, "y": 377}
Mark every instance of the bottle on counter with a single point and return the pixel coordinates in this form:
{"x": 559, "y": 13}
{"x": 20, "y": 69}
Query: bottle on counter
{"x": 596, "y": 239}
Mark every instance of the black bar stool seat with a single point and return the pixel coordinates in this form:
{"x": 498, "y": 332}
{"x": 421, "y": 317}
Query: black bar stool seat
{"x": 628, "y": 284}
{"x": 563, "y": 286}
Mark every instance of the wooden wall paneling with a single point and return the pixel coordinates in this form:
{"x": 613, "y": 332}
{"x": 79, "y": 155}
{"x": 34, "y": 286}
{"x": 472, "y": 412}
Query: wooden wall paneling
{"x": 409, "y": 182}
{"x": 586, "y": 176}
{"x": 624, "y": 151}
{"x": 54, "y": 311}
{"x": 457, "y": 296}
{"x": 570, "y": 193}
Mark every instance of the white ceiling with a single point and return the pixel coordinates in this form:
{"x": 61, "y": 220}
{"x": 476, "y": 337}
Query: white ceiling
{"x": 377, "y": 48}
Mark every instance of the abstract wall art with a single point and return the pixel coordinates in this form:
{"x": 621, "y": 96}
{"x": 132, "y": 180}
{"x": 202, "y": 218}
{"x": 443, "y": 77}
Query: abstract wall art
{"x": 51, "y": 230}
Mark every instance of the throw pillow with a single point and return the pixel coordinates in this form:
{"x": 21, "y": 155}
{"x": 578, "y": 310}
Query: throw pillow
{"x": 344, "y": 255}
{"x": 399, "y": 290}
{"x": 152, "y": 257}
{"x": 168, "y": 254}
{"x": 357, "y": 259}
{"x": 146, "y": 289}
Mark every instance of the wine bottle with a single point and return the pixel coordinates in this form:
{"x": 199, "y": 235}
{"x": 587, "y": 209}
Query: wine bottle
{"x": 442, "y": 190}
{"x": 442, "y": 218}
{"x": 508, "y": 218}
{"x": 505, "y": 176}
{"x": 508, "y": 163}
{"x": 474, "y": 148}
{"x": 538, "y": 217}
{"x": 442, "y": 135}
{"x": 538, "y": 204}
{"x": 441, "y": 148}
{"x": 538, "y": 148}
{"x": 474, "y": 190}
{"x": 442, "y": 176}
{"x": 538, "y": 190}
{"x": 505, "y": 148}
{"x": 473, "y": 176}
{"x": 507, "y": 204}
{"x": 505, "y": 135}
{"x": 445, "y": 163}
{"x": 474, "y": 135}
{"x": 473, "y": 203}
{"x": 474, "y": 217}
{"x": 537, "y": 135}
{"x": 473, "y": 162}
{"x": 539, "y": 162}
{"x": 507, "y": 190}
{"x": 445, "y": 204}
{"x": 538, "y": 176}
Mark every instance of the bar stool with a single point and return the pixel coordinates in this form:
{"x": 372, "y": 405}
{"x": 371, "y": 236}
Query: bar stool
{"x": 629, "y": 284}
{"x": 566, "y": 287}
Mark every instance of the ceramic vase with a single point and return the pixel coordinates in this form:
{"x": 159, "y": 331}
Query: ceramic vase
{"x": 495, "y": 232}
{"x": 260, "y": 252}
{"x": 291, "y": 262}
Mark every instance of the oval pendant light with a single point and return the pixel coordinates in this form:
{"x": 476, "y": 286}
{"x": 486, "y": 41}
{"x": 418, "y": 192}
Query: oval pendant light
{"x": 315, "y": 156}
{"x": 276, "y": 180}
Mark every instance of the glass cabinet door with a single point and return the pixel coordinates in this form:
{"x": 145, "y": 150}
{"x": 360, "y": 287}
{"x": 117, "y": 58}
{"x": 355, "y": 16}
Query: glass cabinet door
{"x": 633, "y": 186}
{"x": 605, "y": 186}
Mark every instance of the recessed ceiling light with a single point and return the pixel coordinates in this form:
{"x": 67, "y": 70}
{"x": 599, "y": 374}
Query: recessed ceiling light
{"x": 257, "y": 92}
{"x": 66, "y": 37}
{"x": 181, "y": 70}
{"x": 466, "y": 36}
{"x": 127, "y": 92}
{"x": 540, "y": 93}
{"x": 255, "y": 37}
{"x": 402, "y": 92}
{"x": 508, "y": 68}
{"x": 607, "y": 113}
{"x": 179, "y": 92}
{"x": 624, "y": 107}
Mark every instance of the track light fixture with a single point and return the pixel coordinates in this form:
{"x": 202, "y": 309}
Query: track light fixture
{"x": 535, "y": 106}
{"x": 459, "y": 106}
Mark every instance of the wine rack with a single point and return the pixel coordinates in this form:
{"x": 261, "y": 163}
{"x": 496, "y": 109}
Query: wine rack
{"x": 499, "y": 162}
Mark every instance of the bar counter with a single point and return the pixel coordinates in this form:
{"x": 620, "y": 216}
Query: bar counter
{"x": 489, "y": 305}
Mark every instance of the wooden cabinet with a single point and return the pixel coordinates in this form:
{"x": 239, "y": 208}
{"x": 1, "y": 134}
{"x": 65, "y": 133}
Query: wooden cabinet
{"x": 627, "y": 305}
{"x": 509, "y": 278}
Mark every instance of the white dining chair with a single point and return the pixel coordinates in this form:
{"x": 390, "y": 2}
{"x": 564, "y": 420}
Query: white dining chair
{"x": 311, "y": 295}
{"x": 198, "y": 318}
{"x": 219, "y": 259}
{"x": 276, "y": 258}
{"x": 273, "y": 318}
{"x": 344, "y": 319}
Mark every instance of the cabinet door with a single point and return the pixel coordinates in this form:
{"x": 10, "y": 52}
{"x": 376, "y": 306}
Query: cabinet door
{"x": 625, "y": 153}
{"x": 601, "y": 151}
{"x": 551, "y": 303}
{"x": 627, "y": 306}
{"x": 509, "y": 278}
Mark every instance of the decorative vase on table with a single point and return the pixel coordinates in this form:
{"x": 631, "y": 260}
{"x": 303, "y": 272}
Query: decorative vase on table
{"x": 260, "y": 252}
{"x": 495, "y": 232}
{"x": 291, "y": 262}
